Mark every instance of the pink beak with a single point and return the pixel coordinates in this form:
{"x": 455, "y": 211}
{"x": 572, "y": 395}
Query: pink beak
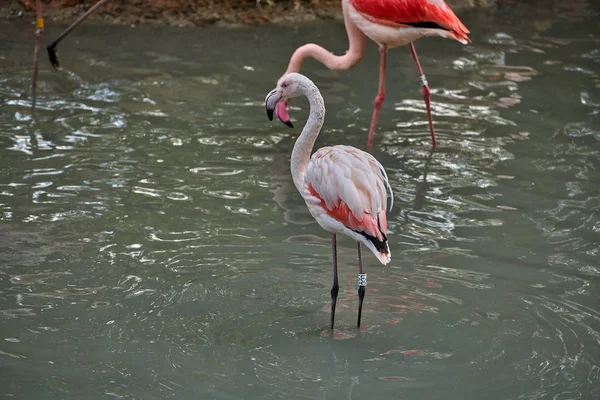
{"x": 282, "y": 113}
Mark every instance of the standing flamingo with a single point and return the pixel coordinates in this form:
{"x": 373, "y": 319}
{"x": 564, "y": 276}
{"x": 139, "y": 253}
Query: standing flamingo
{"x": 389, "y": 23}
{"x": 343, "y": 187}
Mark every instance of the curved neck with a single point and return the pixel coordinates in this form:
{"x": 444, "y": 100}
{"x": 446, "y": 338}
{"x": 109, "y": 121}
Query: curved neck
{"x": 357, "y": 43}
{"x": 306, "y": 140}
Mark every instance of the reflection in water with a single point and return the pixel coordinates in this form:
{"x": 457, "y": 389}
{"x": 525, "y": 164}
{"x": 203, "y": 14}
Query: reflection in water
{"x": 152, "y": 244}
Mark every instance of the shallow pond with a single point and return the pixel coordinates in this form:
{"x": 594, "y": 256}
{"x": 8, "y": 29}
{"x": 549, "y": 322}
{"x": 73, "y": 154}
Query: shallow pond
{"x": 152, "y": 245}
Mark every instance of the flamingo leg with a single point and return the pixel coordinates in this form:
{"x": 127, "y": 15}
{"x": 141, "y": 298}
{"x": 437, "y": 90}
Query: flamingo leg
{"x": 39, "y": 31}
{"x": 52, "y": 46}
{"x": 336, "y": 287}
{"x": 426, "y": 93}
{"x": 362, "y": 283}
{"x": 380, "y": 95}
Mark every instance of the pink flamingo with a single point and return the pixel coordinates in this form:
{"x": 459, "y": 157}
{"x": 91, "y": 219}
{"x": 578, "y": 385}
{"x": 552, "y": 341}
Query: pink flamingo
{"x": 389, "y": 23}
{"x": 343, "y": 187}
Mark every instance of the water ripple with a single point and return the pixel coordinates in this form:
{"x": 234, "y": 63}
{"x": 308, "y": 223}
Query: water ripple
{"x": 152, "y": 243}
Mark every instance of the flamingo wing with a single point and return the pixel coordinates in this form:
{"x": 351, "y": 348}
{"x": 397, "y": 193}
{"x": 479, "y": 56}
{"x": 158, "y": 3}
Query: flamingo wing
{"x": 426, "y": 14}
{"x": 350, "y": 186}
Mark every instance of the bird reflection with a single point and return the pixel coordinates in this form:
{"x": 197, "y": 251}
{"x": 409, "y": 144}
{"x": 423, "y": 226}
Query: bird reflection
{"x": 423, "y": 185}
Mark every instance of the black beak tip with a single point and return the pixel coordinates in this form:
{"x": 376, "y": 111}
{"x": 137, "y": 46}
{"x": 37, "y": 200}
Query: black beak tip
{"x": 288, "y": 123}
{"x": 270, "y": 114}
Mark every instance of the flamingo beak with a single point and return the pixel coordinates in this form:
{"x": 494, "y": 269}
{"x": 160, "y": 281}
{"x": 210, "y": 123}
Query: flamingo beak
{"x": 282, "y": 113}
{"x": 271, "y": 101}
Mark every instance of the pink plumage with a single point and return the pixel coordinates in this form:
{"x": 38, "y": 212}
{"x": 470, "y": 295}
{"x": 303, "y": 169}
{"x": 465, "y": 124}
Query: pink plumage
{"x": 412, "y": 13}
{"x": 350, "y": 190}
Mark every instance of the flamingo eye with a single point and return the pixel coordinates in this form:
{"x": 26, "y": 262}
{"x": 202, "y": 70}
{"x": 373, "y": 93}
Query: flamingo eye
{"x": 284, "y": 84}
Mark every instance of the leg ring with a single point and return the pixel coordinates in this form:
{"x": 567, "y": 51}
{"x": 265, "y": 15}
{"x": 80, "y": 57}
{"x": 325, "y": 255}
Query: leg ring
{"x": 362, "y": 279}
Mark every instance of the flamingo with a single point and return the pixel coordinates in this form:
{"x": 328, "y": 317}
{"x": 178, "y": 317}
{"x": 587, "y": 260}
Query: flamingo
{"x": 344, "y": 188}
{"x": 389, "y": 23}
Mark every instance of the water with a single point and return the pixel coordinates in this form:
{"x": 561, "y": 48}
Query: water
{"x": 153, "y": 246}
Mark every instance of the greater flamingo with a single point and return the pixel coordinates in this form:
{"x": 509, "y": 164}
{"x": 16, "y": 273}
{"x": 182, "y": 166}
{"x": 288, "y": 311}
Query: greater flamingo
{"x": 343, "y": 187}
{"x": 389, "y": 23}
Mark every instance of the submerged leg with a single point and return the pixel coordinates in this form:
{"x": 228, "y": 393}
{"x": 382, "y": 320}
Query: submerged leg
{"x": 380, "y": 95}
{"x": 362, "y": 283}
{"x": 426, "y": 93}
{"x": 336, "y": 287}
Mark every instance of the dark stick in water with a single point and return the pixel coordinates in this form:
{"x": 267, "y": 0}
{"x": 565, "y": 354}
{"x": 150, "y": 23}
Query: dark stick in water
{"x": 39, "y": 31}
{"x": 52, "y": 46}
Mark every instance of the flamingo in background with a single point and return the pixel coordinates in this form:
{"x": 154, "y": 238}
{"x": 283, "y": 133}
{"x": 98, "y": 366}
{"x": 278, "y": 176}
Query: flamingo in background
{"x": 343, "y": 187}
{"x": 389, "y": 23}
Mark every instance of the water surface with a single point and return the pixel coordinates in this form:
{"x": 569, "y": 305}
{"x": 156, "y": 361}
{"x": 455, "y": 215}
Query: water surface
{"x": 152, "y": 244}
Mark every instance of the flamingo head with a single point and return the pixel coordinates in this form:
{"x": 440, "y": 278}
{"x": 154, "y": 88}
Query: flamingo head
{"x": 289, "y": 86}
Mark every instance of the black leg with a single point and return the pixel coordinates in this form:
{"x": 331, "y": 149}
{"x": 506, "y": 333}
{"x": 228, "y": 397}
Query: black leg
{"x": 52, "y": 46}
{"x": 362, "y": 283}
{"x": 336, "y": 287}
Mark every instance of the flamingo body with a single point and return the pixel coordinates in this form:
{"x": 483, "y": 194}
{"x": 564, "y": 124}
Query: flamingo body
{"x": 345, "y": 190}
{"x": 393, "y": 23}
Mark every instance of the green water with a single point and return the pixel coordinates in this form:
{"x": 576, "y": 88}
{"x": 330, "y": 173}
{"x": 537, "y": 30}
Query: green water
{"x": 152, "y": 245}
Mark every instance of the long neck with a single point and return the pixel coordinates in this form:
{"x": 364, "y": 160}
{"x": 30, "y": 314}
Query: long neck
{"x": 306, "y": 140}
{"x": 357, "y": 43}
